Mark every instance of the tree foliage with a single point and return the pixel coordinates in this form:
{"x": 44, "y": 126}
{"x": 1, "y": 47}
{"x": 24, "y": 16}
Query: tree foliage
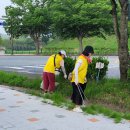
{"x": 33, "y": 19}
{"x": 13, "y": 21}
{"x": 81, "y": 18}
{"x": 63, "y": 18}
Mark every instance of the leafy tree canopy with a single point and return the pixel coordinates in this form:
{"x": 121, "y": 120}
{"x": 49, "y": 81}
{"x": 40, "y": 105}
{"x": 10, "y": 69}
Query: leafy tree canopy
{"x": 74, "y": 18}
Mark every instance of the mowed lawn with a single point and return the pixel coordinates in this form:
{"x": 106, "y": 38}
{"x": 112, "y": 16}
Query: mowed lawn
{"x": 101, "y": 46}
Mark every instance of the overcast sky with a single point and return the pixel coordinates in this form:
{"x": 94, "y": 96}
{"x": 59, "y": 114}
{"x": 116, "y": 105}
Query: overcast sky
{"x": 3, "y": 4}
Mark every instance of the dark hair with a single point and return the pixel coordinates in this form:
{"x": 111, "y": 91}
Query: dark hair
{"x": 60, "y": 53}
{"x": 87, "y": 50}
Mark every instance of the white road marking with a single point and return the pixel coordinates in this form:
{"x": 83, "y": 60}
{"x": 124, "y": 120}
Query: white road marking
{"x": 24, "y": 67}
{"x": 41, "y": 65}
{"x": 28, "y": 72}
{"x": 23, "y": 71}
{"x": 17, "y": 68}
{"x": 32, "y": 67}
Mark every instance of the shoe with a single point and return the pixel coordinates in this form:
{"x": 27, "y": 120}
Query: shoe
{"x": 83, "y": 106}
{"x": 77, "y": 109}
{"x": 50, "y": 92}
{"x": 43, "y": 91}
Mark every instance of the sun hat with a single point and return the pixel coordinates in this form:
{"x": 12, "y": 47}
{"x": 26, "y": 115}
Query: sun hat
{"x": 63, "y": 53}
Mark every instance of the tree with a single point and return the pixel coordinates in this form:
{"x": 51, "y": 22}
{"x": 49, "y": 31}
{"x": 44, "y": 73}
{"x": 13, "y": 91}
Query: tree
{"x": 13, "y": 21}
{"x": 121, "y": 31}
{"x": 35, "y": 19}
{"x": 81, "y": 18}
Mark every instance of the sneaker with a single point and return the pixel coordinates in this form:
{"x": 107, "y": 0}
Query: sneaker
{"x": 83, "y": 106}
{"x": 77, "y": 109}
{"x": 43, "y": 91}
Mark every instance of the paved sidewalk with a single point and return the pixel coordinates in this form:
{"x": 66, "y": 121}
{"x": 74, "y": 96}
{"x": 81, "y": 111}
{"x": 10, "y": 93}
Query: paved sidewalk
{"x": 20, "y": 111}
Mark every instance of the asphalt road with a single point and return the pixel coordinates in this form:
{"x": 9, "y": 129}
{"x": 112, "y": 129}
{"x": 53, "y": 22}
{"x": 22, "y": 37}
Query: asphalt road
{"x": 33, "y": 65}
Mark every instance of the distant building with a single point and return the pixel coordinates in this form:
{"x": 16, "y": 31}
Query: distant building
{"x": 2, "y": 50}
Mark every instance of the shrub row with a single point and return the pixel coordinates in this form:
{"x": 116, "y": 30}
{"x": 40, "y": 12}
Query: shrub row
{"x": 92, "y": 70}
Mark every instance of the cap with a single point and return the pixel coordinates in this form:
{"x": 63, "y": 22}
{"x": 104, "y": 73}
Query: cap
{"x": 63, "y": 53}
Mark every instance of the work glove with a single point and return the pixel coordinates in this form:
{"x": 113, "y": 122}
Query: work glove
{"x": 85, "y": 80}
{"x": 65, "y": 76}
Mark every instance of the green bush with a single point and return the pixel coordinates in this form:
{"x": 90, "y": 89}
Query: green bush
{"x": 92, "y": 71}
{"x": 69, "y": 64}
{"x": 54, "y": 50}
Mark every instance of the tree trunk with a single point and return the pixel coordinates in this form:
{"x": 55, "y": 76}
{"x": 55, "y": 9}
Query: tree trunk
{"x": 123, "y": 44}
{"x": 36, "y": 42}
{"x": 37, "y": 46}
{"x": 80, "y": 38}
{"x": 12, "y": 45}
{"x": 121, "y": 32}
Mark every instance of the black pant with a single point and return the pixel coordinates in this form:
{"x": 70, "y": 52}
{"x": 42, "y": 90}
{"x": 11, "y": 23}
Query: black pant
{"x": 76, "y": 96}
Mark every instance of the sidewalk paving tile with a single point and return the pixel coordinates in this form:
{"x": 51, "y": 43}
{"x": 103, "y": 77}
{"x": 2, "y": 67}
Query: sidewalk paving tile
{"x": 32, "y": 119}
{"x": 22, "y": 111}
{"x": 93, "y": 120}
{"x": 2, "y": 110}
